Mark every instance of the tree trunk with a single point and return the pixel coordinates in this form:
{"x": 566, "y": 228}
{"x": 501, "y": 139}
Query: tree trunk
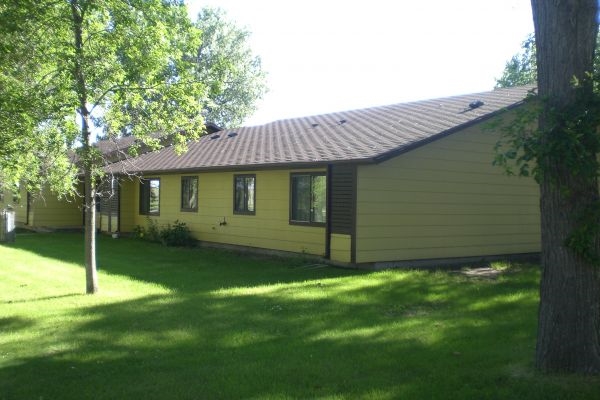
{"x": 91, "y": 276}
{"x": 568, "y": 336}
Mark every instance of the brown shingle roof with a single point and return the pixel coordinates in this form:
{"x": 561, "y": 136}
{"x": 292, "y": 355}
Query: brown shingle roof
{"x": 364, "y": 135}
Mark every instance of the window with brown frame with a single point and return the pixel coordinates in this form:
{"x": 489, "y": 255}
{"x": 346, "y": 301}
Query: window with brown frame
{"x": 189, "y": 193}
{"x": 244, "y": 194}
{"x": 308, "y": 198}
{"x": 150, "y": 196}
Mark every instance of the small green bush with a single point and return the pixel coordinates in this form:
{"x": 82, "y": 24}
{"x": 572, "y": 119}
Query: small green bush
{"x": 178, "y": 234}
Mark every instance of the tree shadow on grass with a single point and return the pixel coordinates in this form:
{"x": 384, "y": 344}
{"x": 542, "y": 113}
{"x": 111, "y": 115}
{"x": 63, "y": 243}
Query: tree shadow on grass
{"x": 256, "y": 327}
{"x": 43, "y": 298}
{"x": 13, "y": 323}
{"x": 391, "y": 335}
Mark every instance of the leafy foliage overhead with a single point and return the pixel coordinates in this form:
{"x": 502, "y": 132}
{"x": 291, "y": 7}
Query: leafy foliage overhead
{"x": 232, "y": 73}
{"x": 125, "y": 65}
{"x": 521, "y": 69}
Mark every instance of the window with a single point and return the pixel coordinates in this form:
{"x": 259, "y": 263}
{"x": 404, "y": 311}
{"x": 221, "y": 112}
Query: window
{"x": 150, "y": 196}
{"x": 308, "y": 198}
{"x": 189, "y": 193}
{"x": 244, "y": 199}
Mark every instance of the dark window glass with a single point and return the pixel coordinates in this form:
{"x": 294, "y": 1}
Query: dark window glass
{"x": 301, "y": 198}
{"x": 309, "y": 198}
{"x": 189, "y": 193}
{"x": 245, "y": 194}
{"x": 150, "y": 196}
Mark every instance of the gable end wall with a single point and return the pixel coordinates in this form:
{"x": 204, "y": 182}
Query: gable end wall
{"x": 445, "y": 200}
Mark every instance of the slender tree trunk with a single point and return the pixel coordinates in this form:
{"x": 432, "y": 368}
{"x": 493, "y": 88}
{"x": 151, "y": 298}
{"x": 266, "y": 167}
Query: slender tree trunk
{"x": 569, "y": 314}
{"x": 77, "y": 13}
{"x": 91, "y": 275}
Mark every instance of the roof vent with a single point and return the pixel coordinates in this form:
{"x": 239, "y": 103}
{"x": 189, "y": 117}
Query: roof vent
{"x": 215, "y": 137}
{"x": 232, "y": 134}
{"x": 314, "y": 125}
{"x": 342, "y": 121}
{"x": 475, "y": 104}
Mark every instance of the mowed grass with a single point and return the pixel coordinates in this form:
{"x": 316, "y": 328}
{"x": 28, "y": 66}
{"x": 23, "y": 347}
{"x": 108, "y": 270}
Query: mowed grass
{"x": 206, "y": 324}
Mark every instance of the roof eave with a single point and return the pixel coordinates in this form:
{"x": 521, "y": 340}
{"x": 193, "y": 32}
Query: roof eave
{"x": 248, "y": 167}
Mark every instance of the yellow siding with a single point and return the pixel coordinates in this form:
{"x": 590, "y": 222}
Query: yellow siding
{"x": 19, "y": 206}
{"x": 128, "y": 205}
{"x": 49, "y": 211}
{"x": 341, "y": 246}
{"x": 269, "y": 228}
{"x": 445, "y": 200}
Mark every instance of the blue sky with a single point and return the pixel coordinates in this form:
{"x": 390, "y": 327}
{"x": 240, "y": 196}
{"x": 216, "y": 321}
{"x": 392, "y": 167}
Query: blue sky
{"x": 333, "y": 55}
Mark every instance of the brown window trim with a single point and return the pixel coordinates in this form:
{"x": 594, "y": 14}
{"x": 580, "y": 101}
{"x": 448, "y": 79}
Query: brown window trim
{"x": 244, "y": 212}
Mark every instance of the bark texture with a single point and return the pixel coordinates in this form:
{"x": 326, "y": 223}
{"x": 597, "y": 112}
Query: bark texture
{"x": 568, "y": 336}
{"x": 91, "y": 275}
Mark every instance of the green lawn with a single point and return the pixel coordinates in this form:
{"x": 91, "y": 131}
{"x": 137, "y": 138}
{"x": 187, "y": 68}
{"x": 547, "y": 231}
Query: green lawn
{"x": 207, "y": 324}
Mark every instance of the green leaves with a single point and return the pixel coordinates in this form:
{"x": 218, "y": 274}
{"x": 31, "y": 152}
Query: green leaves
{"x": 572, "y": 141}
{"x": 225, "y": 63}
{"x": 521, "y": 69}
{"x": 125, "y": 65}
{"x": 515, "y": 152}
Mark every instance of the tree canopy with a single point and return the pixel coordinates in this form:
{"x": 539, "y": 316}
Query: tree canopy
{"x": 232, "y": 73}
{"x": 521, "y": 69}
{"x": 70, "y": 66}
{"x": 34, "y": 137}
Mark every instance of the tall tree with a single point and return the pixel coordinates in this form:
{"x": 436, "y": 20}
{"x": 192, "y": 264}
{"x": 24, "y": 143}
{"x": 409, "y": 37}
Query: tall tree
{"x": 130, "y": 59}
{"x": 569, "y": 315}
{"x": 33, "y": 144}
{"x": 232, "y": 73}
{"x": 521, "y": 68}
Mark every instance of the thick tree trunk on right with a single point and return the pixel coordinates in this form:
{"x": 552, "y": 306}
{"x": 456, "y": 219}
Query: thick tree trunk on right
{"x": 569, "y": 315}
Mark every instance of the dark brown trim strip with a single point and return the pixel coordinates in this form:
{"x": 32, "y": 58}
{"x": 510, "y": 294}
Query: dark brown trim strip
{"x": 354, "y": 212}
{"x": 328, "y": 212}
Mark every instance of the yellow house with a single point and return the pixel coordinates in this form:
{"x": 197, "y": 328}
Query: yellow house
{"x": 43, "y": 210}
{"x": 14, "y": 201}
{"x": 405, "y": 184}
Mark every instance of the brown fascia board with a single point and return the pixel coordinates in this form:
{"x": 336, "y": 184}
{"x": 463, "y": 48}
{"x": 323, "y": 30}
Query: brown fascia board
{"x": 243, "y": 168}
{"x": 405, "y": 149}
